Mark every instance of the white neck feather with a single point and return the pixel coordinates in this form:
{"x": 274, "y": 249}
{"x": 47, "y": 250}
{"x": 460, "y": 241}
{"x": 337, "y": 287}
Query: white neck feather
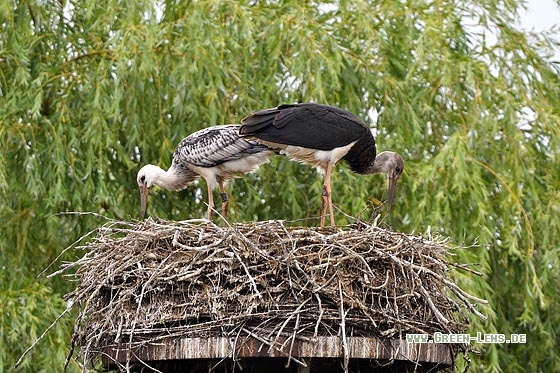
{"x": 170, "y": 179}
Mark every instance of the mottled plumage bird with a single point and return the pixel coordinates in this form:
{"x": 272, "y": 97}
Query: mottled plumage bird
{"x": 215, "y": 153}
{"x": 322, "y": 135}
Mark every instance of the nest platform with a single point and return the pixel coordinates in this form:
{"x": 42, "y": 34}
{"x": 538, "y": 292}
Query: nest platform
{"x": 192, "y": 296}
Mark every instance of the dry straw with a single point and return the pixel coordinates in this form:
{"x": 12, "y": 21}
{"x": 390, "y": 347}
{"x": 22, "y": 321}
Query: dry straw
{"x": 144, "y": 282}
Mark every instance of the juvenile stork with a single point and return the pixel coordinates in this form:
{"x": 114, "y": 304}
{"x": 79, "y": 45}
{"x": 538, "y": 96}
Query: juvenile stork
{"x": 321, "y": 135}
{"x": 215, "y": 153}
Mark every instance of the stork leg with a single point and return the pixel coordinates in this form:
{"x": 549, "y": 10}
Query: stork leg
{"x": 323, "y": 206}
{"x": 329, "y": 194}
{"x": 326, "y": 198}
{"x": 225, "y": 201}
{"x": 210, "y": 203}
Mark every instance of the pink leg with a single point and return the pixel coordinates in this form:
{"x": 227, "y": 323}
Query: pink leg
{"x": 324, "y": 203}
{"x": 326, "y": 198}
{"x": 328, "y": 174}
{"x": 210, "y": 203}
{"x": 225, "y": 201}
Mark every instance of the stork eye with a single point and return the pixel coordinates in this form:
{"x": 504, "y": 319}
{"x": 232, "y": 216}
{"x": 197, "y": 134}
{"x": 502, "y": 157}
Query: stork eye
{"x": 143, "y": 178}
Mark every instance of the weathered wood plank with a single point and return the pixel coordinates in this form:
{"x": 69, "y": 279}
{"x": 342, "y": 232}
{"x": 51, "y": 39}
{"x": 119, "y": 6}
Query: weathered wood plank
{"x": 249, "y": 347}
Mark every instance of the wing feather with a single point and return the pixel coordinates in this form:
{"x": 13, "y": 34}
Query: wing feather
{"x": 215, "y": 145}
{"x": 307, "y": 125}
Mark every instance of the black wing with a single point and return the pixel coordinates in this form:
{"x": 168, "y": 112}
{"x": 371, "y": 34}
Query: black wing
{"x": 215, "y": 145}
{"x": 309, "y": 125}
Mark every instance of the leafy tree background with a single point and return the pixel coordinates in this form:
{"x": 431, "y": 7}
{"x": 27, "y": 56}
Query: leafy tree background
{"x": 90, "y": 90}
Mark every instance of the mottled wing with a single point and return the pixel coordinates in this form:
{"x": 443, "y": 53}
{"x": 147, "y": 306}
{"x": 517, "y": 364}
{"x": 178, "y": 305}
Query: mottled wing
{"x": 310, "y": 125}
{"x": 213, "y": 146}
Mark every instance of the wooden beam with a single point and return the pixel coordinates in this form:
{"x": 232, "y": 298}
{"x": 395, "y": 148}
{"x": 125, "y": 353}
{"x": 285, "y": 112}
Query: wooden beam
{"x": 249, "y": 347}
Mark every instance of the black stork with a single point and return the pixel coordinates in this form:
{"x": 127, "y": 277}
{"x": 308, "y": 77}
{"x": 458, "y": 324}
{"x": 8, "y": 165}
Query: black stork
{"x": 216, "y": 153}
{"x": 322, "y": 135}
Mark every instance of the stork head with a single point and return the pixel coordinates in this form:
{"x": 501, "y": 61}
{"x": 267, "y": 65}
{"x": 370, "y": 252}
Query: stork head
{"x": 146, "y": 177}
{"x": 392, "y": 164}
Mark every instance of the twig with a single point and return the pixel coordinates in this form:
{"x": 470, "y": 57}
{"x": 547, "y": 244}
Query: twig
{"x": 68, "y": 308}
{"x": 271, "y": 345}
{"x": 343, "y": 329}
{"x": 321, "y": 311}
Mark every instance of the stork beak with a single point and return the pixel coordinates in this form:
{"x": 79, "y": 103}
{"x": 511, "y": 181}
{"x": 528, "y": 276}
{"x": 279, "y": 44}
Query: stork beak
{"x": 144, "y": 190}
{"x": 392, "y": 186}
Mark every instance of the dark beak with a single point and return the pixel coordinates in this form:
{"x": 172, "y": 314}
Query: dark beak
{"x": 392, "y": 186}
{"x": 144, "y": 190}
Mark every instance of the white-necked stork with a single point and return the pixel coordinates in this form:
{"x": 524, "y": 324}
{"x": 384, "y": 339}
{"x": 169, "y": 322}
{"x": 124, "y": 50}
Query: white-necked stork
{"x": 322, "y": 135}
{"x": 216, "y": 153}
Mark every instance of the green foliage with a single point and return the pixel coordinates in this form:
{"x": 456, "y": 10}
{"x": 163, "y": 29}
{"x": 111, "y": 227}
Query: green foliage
{"x": 26, "y": 314}
{"x": 91, "y": 90}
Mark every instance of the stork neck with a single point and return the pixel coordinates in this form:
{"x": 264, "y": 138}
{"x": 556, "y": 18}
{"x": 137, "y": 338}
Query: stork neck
{"x": 361, "y": 156}
{"x": 174, "y": 179}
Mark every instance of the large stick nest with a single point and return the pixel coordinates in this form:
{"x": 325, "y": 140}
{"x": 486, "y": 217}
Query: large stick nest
{"x": 139, "y": 283}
